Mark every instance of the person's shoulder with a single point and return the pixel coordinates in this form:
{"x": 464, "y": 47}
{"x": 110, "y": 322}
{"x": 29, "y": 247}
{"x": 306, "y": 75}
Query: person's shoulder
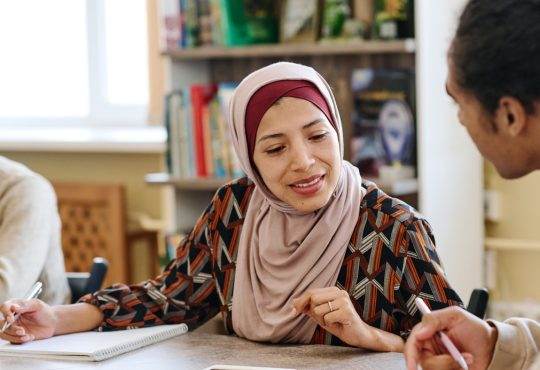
{"x": 17, "y": 178}
{"x": 10, "y": 169}
{"x": 377, "y": 201}
{"x": 239, "y": 187}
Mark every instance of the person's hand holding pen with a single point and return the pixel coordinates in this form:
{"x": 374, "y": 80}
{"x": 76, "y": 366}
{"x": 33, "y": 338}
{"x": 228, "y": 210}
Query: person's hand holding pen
{"x": 473, "y": 337}
{"x": 27, "y": 319}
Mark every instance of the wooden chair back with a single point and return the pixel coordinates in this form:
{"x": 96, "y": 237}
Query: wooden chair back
{"x": 93, "y": 225}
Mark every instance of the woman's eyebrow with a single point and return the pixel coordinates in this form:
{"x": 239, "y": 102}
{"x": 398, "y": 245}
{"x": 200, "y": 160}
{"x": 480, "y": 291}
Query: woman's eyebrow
{"x": 306, "y": 126}
{"x": 312, "y": 123}
{"x": 271, "y": 136}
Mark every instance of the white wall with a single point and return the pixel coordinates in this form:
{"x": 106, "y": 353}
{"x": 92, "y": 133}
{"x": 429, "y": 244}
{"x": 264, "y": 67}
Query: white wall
{"x": 450, "y": 168}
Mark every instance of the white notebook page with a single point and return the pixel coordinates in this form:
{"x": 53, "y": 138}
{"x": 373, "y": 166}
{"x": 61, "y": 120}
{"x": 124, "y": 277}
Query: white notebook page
{"x": 92, "y": 346}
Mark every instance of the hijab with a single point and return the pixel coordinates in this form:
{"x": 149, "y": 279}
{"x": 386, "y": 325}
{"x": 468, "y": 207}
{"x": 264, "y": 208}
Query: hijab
{"x": 283, "y": 252}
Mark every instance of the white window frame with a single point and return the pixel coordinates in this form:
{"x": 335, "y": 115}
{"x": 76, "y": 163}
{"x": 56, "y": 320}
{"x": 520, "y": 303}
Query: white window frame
{"x": 102, "y": 114}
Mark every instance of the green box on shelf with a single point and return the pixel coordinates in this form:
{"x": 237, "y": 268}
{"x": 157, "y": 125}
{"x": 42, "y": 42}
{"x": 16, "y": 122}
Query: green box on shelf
{"x": 246, "y": 22}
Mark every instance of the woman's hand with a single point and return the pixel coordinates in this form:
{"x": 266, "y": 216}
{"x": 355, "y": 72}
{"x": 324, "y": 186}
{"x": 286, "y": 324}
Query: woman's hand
{"x": 333, "y": 310}
{"x": 36, "y": 320}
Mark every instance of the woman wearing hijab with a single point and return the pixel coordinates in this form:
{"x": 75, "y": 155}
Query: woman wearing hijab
{"x": 302, "y": 250}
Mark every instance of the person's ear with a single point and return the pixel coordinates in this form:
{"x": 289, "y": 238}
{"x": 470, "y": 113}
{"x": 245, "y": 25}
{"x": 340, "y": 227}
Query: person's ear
{"x": 511, "y": 116}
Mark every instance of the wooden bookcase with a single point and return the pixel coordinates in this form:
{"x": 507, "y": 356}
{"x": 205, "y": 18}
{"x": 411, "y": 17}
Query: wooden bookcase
{"x": 334, "y": 60}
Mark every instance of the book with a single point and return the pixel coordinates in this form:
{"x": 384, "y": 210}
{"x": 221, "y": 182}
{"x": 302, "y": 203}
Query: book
{"x": 383, "y": 120}
{"x": 92, "y": 346}
{"x": 170, "y": 24}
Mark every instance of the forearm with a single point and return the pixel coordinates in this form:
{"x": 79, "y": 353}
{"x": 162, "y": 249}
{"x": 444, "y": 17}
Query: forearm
{"x": 76, "y": 318}
{"x": 381, "y": 341}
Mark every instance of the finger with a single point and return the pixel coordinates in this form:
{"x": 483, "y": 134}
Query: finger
{"x": 12, "y": 335}
{"x": 337, "y": 317}
{"x": 20, "y": 340}
{"x": 442, "y": 320}
{"x": 324, "y": 308}
{"x": 8, "y": 310}
{"x": 440, "y": 362}
{"x": 321, "y": 297}
{"x": 302, "y": 303}
{"x": 413, "y": 347}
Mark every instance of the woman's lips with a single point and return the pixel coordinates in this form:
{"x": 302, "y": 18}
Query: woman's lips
{"x": 308, "y": 186}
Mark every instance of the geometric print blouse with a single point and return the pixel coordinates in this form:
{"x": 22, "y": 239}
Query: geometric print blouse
{"x": 390, "y": 260}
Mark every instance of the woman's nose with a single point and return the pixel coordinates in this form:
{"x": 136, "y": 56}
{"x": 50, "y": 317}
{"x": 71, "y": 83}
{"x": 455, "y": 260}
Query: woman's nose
{"x": 301, "y": 158}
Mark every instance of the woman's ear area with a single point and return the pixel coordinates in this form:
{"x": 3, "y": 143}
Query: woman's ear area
{"x": 511, "y": 116}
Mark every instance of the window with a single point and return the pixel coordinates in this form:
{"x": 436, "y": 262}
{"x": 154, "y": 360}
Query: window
{"x": 73, "y": 63}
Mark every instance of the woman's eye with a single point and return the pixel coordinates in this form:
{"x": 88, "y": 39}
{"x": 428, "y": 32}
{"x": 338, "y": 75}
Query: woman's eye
{"x": 274, "y": 150}
{"x": 319, "y": 137}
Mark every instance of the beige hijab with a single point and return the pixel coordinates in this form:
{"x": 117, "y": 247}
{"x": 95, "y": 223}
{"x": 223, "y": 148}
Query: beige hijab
{"x": 284, "y": 252}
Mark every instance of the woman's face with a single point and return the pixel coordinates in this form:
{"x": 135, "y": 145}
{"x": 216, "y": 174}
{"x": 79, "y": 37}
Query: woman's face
{"x": 297, "y": 154}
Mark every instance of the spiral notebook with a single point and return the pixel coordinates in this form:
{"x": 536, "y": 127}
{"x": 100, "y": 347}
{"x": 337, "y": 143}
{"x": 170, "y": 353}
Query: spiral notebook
{"x": 92, "y": 346}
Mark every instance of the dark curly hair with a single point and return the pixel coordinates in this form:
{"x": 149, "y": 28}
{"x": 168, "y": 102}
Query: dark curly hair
{"x": 496, "y": 51}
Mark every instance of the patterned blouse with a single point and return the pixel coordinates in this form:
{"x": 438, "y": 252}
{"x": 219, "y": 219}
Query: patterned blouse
{"x": 390, "y": 260}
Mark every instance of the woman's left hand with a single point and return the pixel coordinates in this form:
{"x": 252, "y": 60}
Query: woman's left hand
{"x": 333, "y": 310}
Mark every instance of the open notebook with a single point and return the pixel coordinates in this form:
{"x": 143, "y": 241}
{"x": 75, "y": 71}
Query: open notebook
{"x": 92, "y": 346}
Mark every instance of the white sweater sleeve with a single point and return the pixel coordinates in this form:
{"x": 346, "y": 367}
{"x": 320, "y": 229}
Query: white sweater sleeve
{"x": 27, "y": 214}
{"x": 517, "y": 344}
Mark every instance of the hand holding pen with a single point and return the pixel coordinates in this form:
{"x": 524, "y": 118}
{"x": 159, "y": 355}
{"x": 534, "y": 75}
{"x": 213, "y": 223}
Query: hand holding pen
{"x": 454, "y": 352}
{"x": 33, "y": 293}
{"x": 27, "y": 319}
{"x": 474, "y": 337}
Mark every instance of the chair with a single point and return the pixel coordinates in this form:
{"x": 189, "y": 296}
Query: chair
{"x": 93, "y": 225}
{"x": 81, "y": 283}
{"x": 478, "y": 302}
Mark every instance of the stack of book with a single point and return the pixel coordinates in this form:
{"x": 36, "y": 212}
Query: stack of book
{"x": 194, "y": 23}
{"x": 199, "y": 143}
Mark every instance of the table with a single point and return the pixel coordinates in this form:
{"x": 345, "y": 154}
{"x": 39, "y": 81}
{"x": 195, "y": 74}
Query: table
{"x": 195, "y": 351}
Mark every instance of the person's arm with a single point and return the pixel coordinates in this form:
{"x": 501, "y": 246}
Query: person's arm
{"x": 517, "y": 344}
{"x": 38, "y": 320}
{"x": 184, "y": 293}
{"x": 27, "y": 213}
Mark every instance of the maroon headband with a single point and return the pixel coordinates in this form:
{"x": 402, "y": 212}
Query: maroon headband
{"x": 267, "y": 95}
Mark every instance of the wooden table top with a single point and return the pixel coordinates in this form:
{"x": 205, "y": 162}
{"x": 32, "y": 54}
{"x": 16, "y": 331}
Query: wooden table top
{"x": 199, "y": 350}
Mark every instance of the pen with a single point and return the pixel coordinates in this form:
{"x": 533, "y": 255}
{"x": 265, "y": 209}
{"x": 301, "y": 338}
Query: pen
{"x": 454, "y": 352}
{"x": 33, "y": 293}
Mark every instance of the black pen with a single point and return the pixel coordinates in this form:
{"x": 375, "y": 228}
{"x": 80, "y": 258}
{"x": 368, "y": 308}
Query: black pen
{"x": 33, "y": 293}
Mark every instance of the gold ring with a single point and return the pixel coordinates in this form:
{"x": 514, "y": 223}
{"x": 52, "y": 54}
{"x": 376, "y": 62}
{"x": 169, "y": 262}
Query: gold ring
{"x": 330, "y": 306}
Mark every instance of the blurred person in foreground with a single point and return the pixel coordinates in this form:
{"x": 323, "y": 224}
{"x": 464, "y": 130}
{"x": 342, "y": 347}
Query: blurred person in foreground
{"x": 494, "y": 78}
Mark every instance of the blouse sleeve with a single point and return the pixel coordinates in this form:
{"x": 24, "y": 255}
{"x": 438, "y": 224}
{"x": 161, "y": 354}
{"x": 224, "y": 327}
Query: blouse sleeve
{"x": 184, "y": 293}
{"x": 422, "y": 276}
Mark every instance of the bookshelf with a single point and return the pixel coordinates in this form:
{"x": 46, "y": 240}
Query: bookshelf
{"x": 208, "y": 184}
{"x": 300, "y": 49}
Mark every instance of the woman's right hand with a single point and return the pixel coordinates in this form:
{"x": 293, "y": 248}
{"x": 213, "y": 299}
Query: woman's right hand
{"x": 36, "y": 320}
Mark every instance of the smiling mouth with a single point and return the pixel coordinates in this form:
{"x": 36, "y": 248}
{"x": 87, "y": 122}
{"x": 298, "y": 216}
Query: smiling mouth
{"x": 309, "y": 183}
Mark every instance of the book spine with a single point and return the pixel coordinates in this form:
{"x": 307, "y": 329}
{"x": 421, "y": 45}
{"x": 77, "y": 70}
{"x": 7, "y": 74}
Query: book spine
{"x": 170, "y": 24}
{"x": 197, "y": 101}
{"x": 190, "y": 136}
